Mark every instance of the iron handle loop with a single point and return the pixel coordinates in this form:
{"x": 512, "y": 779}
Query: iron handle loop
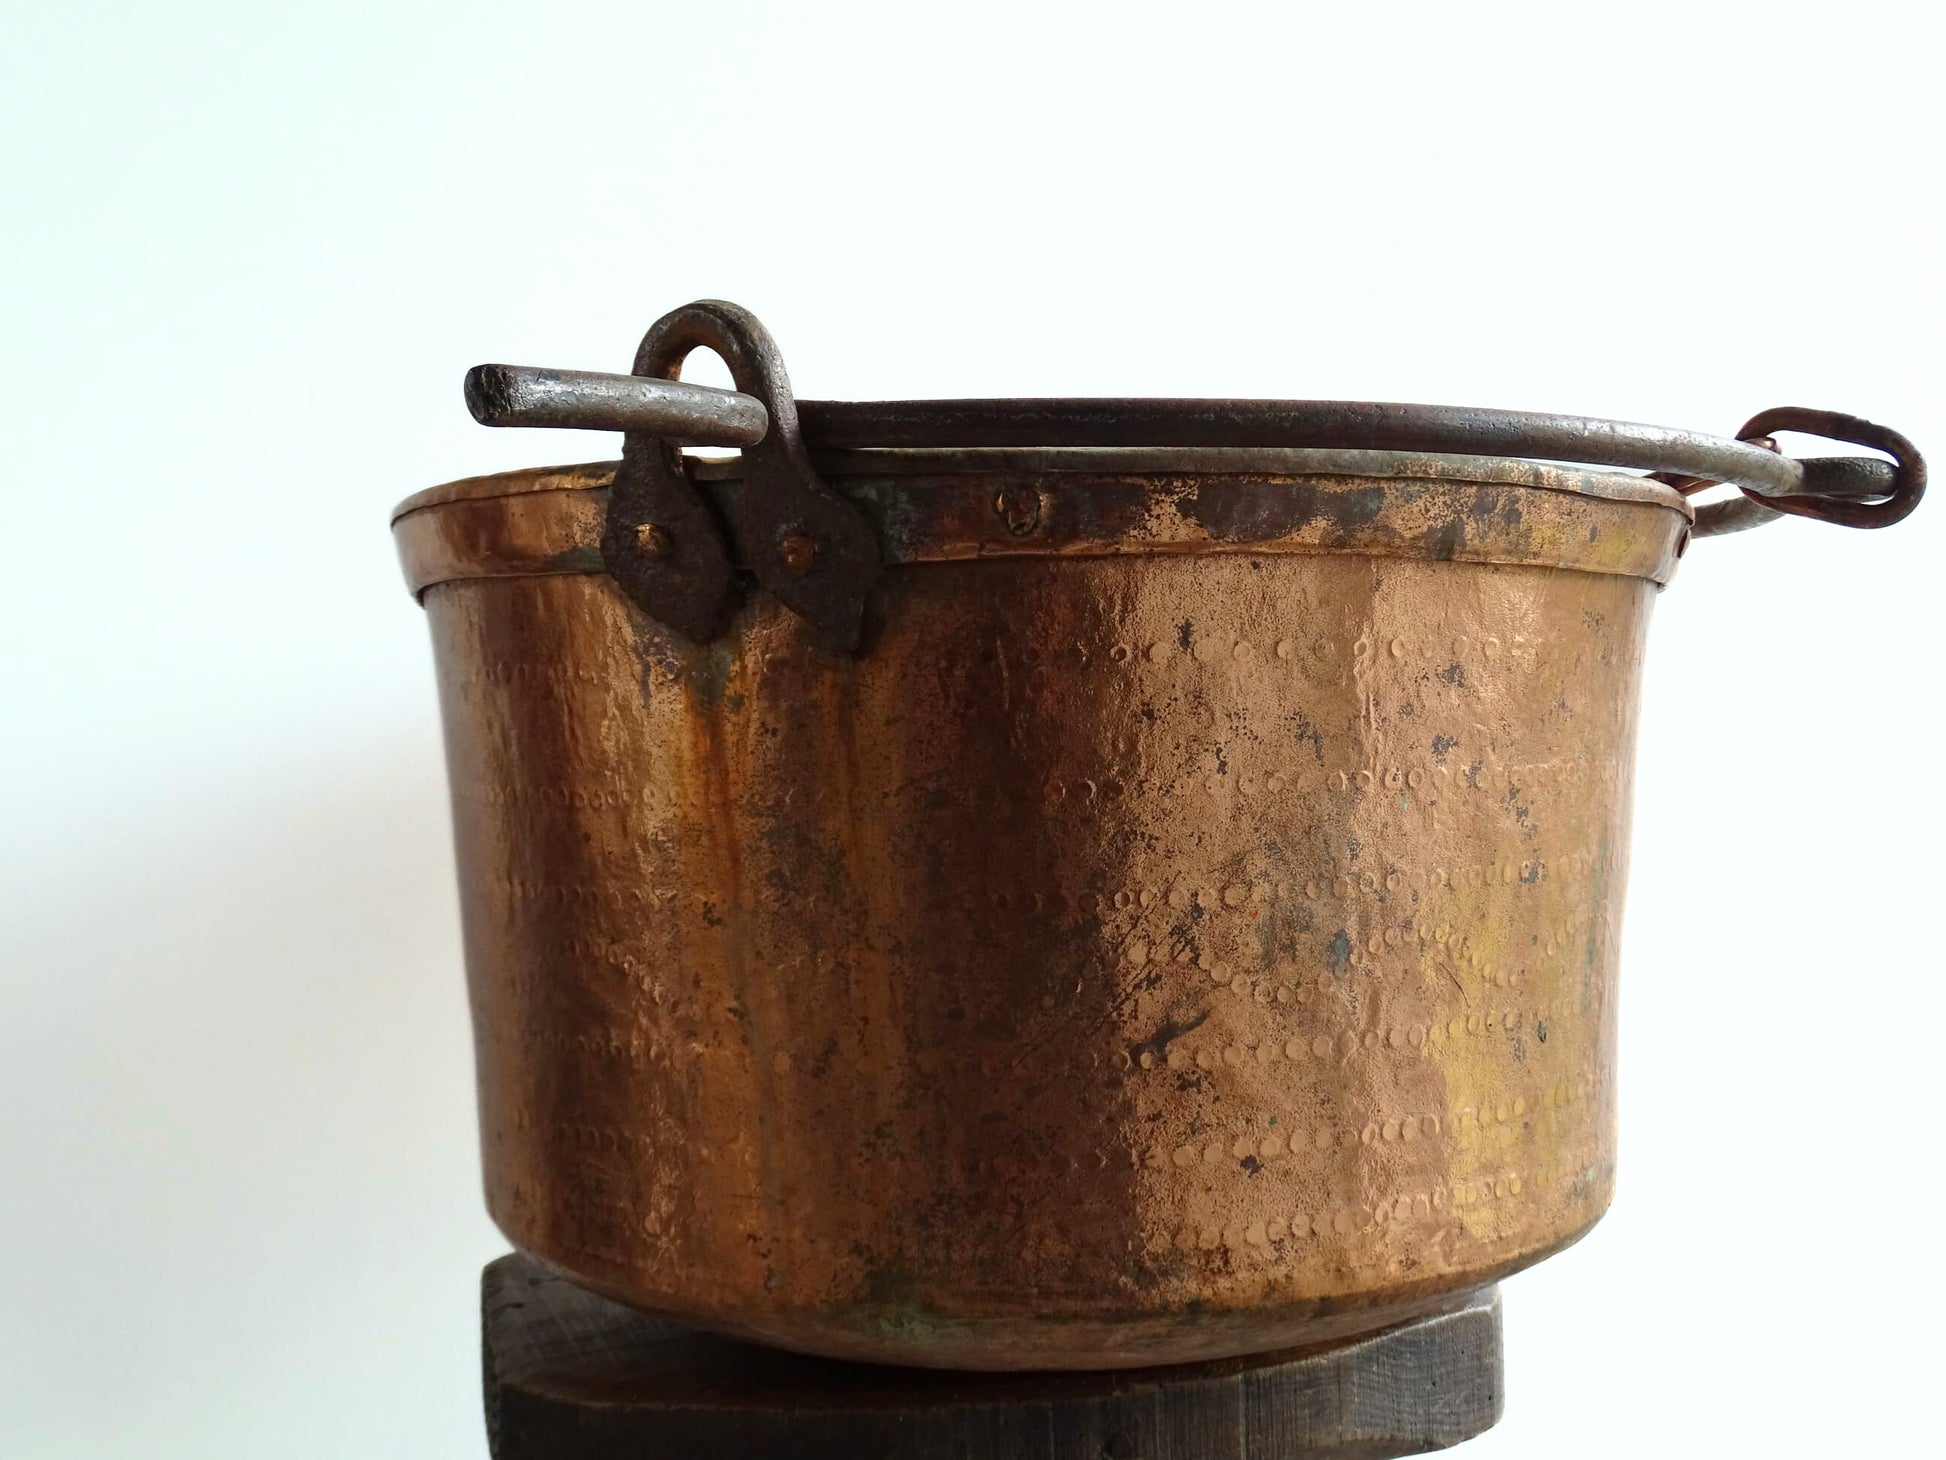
{"x": 663, "y": 543}
{"x": 1833, "y": 484}
{"x": 1851, "y": 491}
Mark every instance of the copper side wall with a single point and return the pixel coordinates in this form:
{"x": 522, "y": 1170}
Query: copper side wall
{"x": 1125, "y": 960}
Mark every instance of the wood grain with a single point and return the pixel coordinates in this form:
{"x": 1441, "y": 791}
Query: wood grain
{"x": 571, "y": 1376}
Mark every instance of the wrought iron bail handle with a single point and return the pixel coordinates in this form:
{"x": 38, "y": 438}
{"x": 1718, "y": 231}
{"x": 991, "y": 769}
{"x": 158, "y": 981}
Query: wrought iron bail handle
{"x": 1852, "y": 491}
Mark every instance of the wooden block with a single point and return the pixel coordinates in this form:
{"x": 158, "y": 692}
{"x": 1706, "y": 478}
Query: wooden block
{"x": 570, "y": 1376}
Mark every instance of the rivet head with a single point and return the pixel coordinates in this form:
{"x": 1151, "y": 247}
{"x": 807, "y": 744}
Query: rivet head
{"x": 654, "y": 539}
{"x": 1020, "y": 508}
{"x": 799, "y": 550}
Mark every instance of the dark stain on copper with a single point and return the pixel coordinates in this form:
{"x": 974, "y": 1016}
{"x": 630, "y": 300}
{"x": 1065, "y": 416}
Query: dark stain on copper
{"x": 1168, "y": 1032}
{"x": 1255, "y": 509}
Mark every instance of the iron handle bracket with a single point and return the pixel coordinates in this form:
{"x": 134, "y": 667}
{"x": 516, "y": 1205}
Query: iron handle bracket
{"x": 807, "y": 545}
{"x": 663, "y": 543}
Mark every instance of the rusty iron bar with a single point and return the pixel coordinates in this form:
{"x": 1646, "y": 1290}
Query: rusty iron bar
{"x": 1850, "y": 480}
{"x": 510, "y": 395}
{"x": 1365, "y": 425}
{"x": 590, "y": 400}
{"x": 1854, "y": 491}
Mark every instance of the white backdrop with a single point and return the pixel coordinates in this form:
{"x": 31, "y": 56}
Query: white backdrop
{"x": 249, "y": 251}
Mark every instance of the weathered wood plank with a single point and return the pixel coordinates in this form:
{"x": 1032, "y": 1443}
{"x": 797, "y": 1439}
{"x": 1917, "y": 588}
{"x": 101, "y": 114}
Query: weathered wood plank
{"x": 570, "y": 1376}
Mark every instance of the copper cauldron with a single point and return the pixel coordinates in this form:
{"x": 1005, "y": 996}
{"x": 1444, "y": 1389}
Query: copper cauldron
{"x": 1054, "y": 884}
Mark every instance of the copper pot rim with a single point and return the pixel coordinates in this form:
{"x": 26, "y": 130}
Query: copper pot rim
{"x": 931, "y": 506}
{"x": 1217, "y": 461}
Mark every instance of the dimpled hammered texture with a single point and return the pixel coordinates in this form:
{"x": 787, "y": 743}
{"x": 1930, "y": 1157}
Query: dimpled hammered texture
{"x": 1126, "y": 959}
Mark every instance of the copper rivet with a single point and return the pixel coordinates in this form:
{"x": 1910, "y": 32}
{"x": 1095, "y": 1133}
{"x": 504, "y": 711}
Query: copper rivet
{"x": 654, "y": 539}
{"x": 799, "y": 551}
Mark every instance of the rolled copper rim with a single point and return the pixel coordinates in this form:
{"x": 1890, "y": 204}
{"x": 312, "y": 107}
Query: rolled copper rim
{"x": 957, "y": 505}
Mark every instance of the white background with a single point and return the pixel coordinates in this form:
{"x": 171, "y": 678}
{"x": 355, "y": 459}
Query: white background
{"x": 251, "y": 248}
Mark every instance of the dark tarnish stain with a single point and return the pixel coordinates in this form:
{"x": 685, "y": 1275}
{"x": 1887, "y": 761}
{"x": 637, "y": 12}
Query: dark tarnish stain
{"x": 1355, "y": 846}
{"x": 1251, "y": 1164}
{"x": 1356, "y": 508}
{"x": 1306, "y": 731}
{"x": 1256, "y": 511}
{"x": 821, "y": 1061}
{"x": 1170, "y": 1030}
{"x": 1341, "y": 951}
{"x": 1454, "y": 674}
{"x": 1600, "y": 891}
{"x": 1540, "y": 1031}
{"x": 708, "y": 671}
{"x": 657, "y": 651}
{"x": 1445, "y": 539}
{"x": 1533, "y": 876}
{"x": 577, "y": 560}
{"x": 1440, "y": 745}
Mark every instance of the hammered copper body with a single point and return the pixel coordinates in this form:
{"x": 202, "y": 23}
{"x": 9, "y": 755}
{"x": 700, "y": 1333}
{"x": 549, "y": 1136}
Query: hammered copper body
{"x": 1181, "y": 937}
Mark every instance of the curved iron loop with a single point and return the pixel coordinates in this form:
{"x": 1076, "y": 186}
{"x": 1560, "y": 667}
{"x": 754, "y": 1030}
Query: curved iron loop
{"x": 1833, "y": 485}
{"x": 805, "y": 544}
